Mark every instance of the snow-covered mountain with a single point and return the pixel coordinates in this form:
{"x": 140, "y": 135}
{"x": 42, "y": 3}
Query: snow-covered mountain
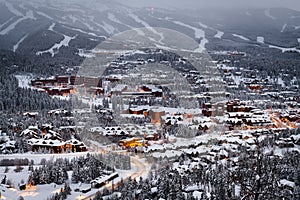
{"x": 50, "y": 27}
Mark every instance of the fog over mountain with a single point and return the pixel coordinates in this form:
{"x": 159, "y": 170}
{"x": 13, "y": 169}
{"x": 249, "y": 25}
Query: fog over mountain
{"x": 52, "y": 27}
{"x": 199, "y": 4}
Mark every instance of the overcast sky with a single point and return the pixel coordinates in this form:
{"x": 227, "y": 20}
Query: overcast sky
{"x": 294, "y": 4}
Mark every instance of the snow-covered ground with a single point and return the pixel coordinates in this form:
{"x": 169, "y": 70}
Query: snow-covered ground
{"x": 199, "y": 34}
{"x": 55, "y": 48}
{"x": 260, "y": 39}
{"x": 219, "y": 34}
{"x": 283, "y": 28}
{"x": 23, "y": 81}
{"x": 6, "y": 22}
{"x": 285, "y": 49}
{"x": 241, "y": 37}
{"x": 113, "y": 18}
{"x": 108, "y": 28}
{"x": 51, "y": 27}
{"x": 16, "y": 46}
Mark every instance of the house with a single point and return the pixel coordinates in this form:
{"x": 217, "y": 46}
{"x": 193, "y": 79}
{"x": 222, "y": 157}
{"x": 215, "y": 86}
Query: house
{"x": 102, "y": 180}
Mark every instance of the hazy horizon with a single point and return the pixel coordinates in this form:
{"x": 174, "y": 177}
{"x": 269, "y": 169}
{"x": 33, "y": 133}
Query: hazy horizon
{"x": 199, "y": 4}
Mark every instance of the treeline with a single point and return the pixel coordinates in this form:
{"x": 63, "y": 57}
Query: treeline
{"x": 84, "y": 169}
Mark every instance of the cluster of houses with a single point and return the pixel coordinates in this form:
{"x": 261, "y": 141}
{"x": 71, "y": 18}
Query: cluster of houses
{"x": 45, "y": 140}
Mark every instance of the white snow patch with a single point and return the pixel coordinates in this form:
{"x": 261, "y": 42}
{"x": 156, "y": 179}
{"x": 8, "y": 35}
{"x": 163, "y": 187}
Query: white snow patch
{"x": 23, "y": 81}
{"x": 284, "y": 49}
{"x": 219, "y": 34}
{"x": 268, "y": 14}
{"x": 51, "y": 27}
{"x": 16, "y": 46}
{"x": 260, "y": 39}
{"x": 283, "y": 28}
{"x": 55, "y": 48}
{"x": 298, "y": 40}
{"x": 145, "y": 24}
{"x": 287, "y": 183}
{"x": 241, "y": 37}
{"x": 280, "y": 82}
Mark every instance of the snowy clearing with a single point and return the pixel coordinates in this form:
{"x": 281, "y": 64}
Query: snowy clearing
{"x": 260, "y": 39}
{"x": 23, "y": 81}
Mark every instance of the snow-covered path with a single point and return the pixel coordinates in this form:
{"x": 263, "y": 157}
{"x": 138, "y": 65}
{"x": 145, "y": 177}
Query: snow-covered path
{"x": 199, "y": 34}
{"x": 241, "y": 37}
{"x": 16, "y": 46}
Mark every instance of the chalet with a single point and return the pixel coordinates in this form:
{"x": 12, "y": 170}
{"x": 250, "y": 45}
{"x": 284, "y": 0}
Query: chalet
{"x": 30, "y": 133}
{"x": 43, "y": 82}
{"x": 56, "y": 146}
{"x": 59, "y": 91}
{"x": 102, "y": 180}
{"x": 30, "y": 114}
